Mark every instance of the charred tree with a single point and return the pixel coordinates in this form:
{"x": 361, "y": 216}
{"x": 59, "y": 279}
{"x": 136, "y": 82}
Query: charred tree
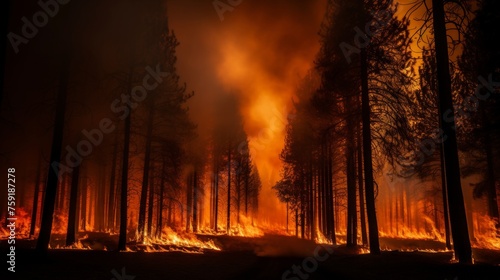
{"x": 458, "y": 221}
{"x": 228, "y": 226}
{"x": 195, "y": 201}
{"x": 151, "y": 200}
{"x": 367, "y": 157}
{"x": 72, "y": 213}
{"x": 34, "y": 211}
{"x": 364, "y": 237}
{"x": 55, "y": 157}
{"x": 112, "y": 186}
{"x": 122, "y": 239}
{"x": 145, "y": 176}
{"x": 352, "y": 219}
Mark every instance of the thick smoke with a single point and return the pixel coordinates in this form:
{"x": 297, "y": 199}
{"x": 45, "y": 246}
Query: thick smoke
{"x": 258, "y": 53}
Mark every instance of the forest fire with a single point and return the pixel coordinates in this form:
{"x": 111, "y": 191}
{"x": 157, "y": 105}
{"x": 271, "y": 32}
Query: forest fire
{"x": 338, "y": 138}
{"x": 171, "y": 240}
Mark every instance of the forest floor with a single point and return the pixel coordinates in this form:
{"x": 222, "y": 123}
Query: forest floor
{"x": 268, "y": 257}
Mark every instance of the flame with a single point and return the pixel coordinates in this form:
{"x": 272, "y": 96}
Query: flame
{"x": 59, "y": 223}
{"x": 320, "y": 238}
{"x": 246, "y": 231}
{"x": 75, "y": 246}
{"x": 23, "y": 223}
{"x": 171, "y": 238}
{"x": 486, "y": 235}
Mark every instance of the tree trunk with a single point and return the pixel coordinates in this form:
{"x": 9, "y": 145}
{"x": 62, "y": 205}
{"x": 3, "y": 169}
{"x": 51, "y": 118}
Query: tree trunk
{"x": 311, "y": 200}
{"x": 195, "y": 201}
{"x": 367, "y": 158}
{"x": 364, "y": 237}
{"x": 247, "y": 175}
{"x": 490, "y": 175}
{"x": 72, "y": 222}
{"x": 458, "y": 221}
{"x": 331, "y": 209}
{"x": 238, "y": 196}
{"x": 228, "y": 226}
{"x": 159, "y": 226}
{"x": 122, "y": 240}
{"x": 141, "y": 223}
{"x": 55, "y": 157}
{"x": 151, "y": 201}
{"x": 83, "y": 203}
{"x": 216, "y": 199}
{"x": 34, "y": 212}
{"x": 296, "y": 223}
{"x": 111, "y": 201}
{"x": 189, "y": 201}
{"x": 352, "y": 220}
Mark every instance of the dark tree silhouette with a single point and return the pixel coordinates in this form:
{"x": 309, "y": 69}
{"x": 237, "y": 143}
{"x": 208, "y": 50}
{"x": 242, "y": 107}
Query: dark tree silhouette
{"x": 458, "y": 221}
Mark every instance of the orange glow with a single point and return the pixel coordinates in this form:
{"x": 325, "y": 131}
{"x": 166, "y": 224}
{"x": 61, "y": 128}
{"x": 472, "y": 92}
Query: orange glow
{"x": 262, "y": 66}
{"x": 23, "y": 224}
{"x": 182, "y": 240}
{"x": 485, "y": 233}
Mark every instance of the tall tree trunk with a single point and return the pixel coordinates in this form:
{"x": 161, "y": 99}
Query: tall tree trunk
{"x": 238, "y": 196}
{"x": 159, "y": 226}
{"x": 367, "y": 158}
{"x": 351, "y": 188}
{"x": 364, "y": 237}
{"x": 287, "y": 217}
{"x": 72, "y": 218}
{"x": 311, "y": 200}
{"x": 112, "y": 184}
{"x": 490, "y": 174}
{"x": 216, "y": 199}
{"x": 408, "y": 206}
{"x": 352, "y": 220}
{"x": 62, "y": 196}
{"x": 195, "y": 201}
{"x": 34, "y": 212}
{"x": 189, "y": 201}
{"x": 296, "y": 222}
{"x": 458, "y": 221}
{"x": 151, "y": 200}
{"x": 141, "y": 223}
{"x": 122, "y": 240}
{"x": 247, "y": 175}
{"x": 55, "y": 157}
{"x": 101, "y": 192}
{"x": 331, "y": 209}
{"x": 83, "y": 203}
{"x": 321, "y": 191}
{"x": 228, "y": 226}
